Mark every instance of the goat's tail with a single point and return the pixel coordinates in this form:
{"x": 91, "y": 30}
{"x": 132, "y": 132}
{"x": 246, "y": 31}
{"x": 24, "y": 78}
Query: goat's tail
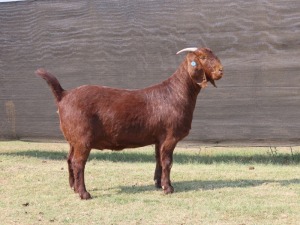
{"x": 53, "y": 83}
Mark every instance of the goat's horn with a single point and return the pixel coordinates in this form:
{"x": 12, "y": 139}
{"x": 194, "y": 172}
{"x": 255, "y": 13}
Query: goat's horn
{"x": 187, "y": 50}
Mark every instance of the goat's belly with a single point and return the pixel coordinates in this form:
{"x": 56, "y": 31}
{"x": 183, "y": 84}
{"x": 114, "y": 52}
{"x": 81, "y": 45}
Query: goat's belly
{"x": 123, "y": 141}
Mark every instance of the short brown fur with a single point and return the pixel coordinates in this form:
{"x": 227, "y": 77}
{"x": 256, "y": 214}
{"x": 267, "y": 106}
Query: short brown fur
{"x": 109, "y": 118}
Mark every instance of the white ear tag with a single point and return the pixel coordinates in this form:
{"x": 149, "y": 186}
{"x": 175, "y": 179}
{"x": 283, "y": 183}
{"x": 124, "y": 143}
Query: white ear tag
{"x": 193, "y": 63}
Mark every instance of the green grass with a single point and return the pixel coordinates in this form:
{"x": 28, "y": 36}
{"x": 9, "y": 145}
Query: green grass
{"x": 214, "y": 185}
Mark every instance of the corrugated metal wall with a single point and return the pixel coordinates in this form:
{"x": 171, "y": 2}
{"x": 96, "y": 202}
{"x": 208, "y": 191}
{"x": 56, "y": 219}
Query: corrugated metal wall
{"x": 132, "y": 44}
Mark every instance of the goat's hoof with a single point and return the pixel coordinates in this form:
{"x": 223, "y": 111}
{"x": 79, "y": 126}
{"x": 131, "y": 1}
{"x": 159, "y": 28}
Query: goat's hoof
{"x": 72, "y": 187}
{"x": 85, "y": 196}
{"x": 168, "y": 190}
{"x": 157, "y": 184}
{"x": 71, "y": 184}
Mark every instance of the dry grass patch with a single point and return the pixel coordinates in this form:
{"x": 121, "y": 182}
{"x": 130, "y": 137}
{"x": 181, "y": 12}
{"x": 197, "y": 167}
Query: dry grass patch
{"x": 213, "y": 185}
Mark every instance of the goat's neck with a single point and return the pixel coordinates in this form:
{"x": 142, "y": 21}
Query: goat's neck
{"x": 183, "y": 84}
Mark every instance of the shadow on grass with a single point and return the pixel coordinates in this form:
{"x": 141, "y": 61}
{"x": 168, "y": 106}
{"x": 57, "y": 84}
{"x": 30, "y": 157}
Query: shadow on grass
{"x": 195, "y": 185}
{"x": 180, "y": 158}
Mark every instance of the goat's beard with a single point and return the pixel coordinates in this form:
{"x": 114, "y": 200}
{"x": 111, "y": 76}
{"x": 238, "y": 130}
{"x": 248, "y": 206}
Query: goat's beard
{"x": 212, "y": 82}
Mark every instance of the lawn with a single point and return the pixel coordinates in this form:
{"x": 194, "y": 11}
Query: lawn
{"x": 213, "y": 185}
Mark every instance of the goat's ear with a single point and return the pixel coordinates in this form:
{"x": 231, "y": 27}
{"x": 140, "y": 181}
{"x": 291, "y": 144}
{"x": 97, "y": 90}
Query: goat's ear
{"x": 200, "y": 78}
{"x": 195, "y": 70}
{"x": 193, "y": 62}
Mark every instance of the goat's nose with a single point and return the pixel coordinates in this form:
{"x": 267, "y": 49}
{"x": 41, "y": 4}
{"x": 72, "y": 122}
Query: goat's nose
{"x": 221, "y": 71}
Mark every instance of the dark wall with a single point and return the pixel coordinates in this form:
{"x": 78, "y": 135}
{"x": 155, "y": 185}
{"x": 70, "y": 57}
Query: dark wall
{"x": 133, "y": 44}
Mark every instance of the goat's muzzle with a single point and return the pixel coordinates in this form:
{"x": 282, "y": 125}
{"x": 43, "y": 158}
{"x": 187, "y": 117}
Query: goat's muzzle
{"x": 217, "y": 74}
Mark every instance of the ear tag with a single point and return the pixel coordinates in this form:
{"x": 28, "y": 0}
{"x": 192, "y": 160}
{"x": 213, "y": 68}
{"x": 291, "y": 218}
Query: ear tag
{"x": 193, "y": 63}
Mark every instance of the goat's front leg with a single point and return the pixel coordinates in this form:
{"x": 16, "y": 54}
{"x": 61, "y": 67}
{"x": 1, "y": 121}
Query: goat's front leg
{"x": 166, "y": 156}
{"x": 158, "y": 168}
{"x": 78, "y": 164}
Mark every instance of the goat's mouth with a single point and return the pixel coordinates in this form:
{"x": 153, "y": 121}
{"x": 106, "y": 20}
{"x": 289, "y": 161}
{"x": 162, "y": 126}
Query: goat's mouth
{"x": 217, "y": 75}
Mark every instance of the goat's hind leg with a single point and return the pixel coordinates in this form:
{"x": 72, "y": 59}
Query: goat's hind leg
{"x": 70, "y": 167}
{"x": 78, "y": 163}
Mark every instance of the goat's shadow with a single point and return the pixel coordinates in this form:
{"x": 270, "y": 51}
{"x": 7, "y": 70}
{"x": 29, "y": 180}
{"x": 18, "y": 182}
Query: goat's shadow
{"x": 195, "y": 185}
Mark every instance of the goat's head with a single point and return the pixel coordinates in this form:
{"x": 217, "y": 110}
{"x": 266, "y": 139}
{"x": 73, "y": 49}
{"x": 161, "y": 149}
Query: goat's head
{"x": 203, "y": 65}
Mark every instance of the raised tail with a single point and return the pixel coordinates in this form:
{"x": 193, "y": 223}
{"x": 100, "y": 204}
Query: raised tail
{"x": 53, "y": 83}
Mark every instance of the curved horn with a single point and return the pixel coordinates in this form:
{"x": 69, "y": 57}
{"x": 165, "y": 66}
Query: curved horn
{"x": 187, "y": 50}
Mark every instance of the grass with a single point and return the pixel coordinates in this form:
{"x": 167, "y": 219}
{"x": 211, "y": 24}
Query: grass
{"x": 213, "y": 185}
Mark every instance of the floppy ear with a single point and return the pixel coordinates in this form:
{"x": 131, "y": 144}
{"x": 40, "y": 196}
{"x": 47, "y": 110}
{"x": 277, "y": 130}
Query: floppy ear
{"x": 200, "y": 78}
{"x": 195, "y": 70}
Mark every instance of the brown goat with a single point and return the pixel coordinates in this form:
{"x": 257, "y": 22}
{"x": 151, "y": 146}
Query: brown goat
{"x": 108, "y": 118}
